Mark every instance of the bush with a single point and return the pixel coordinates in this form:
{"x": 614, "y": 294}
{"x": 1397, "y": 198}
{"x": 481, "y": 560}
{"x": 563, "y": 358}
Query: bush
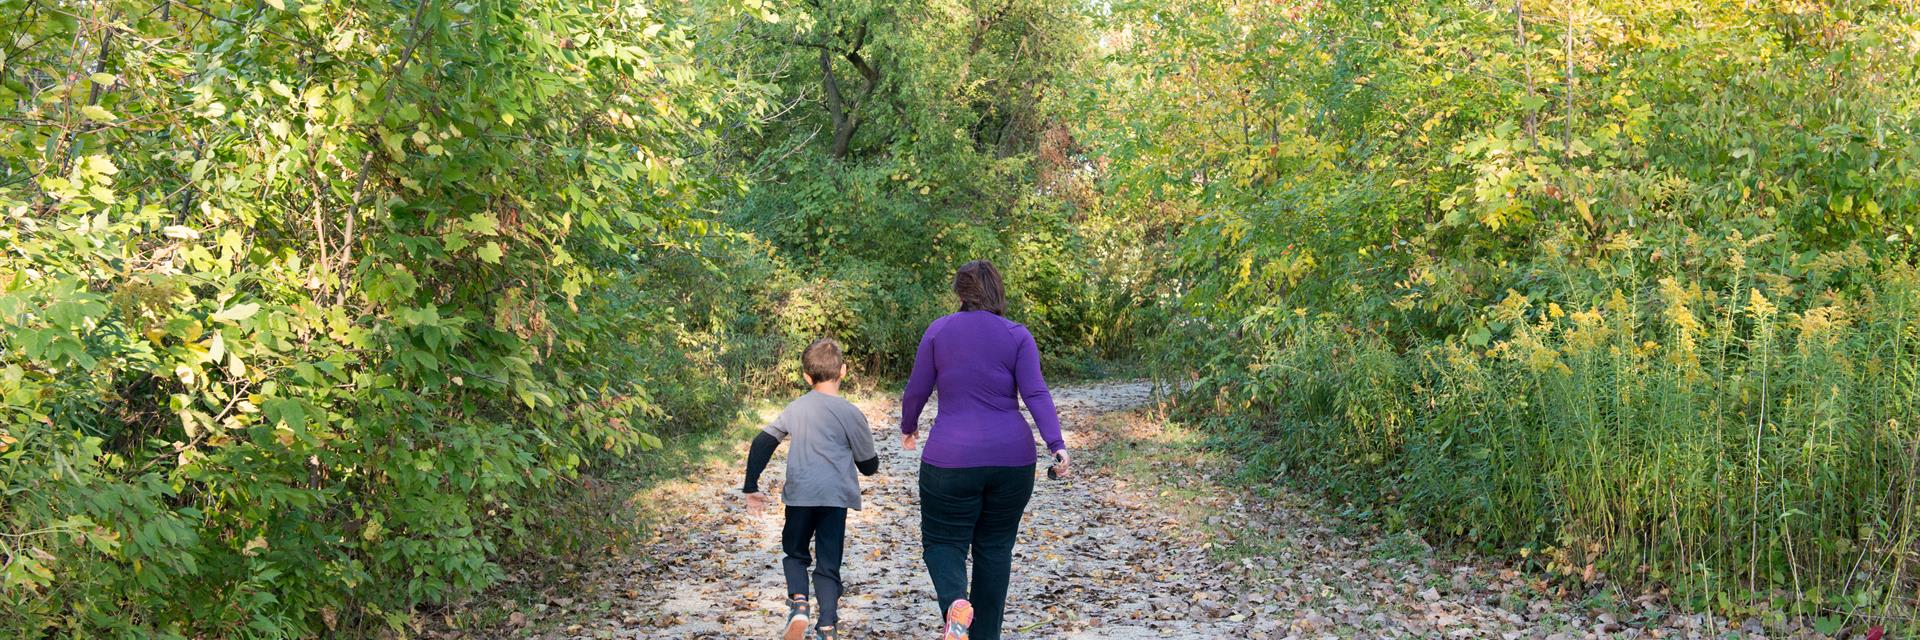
{"x": 1743, "y": 453}
{"x": 309, "y": 307}
{"x": 1621, "y": 289}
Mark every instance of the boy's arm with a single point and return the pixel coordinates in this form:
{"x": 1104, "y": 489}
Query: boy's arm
{"x": 762, "y": 452}
{"x": 757, "y": 458}
{"x": 865, "y": 456}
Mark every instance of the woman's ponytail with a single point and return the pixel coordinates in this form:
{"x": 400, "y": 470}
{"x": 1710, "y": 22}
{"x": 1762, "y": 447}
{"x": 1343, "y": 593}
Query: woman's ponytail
{"x": 978, "y": 285}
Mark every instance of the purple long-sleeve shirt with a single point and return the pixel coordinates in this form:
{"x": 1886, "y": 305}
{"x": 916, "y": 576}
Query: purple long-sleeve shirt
{"x": 982, "y": 365}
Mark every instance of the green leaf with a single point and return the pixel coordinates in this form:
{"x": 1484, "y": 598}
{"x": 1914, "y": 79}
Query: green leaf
{"x": 95, "y": 113}
{"x": 237, "y": 312}
{"x": 483, "y": 224}
{"x": 1480, "y": 336}
{"x": 491, "y": 252}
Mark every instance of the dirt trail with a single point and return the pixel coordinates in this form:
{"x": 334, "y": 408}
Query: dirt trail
{"x": 1143, "y": 543}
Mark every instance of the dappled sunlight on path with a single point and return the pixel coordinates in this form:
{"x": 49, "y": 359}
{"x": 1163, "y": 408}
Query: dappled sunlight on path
{"x": 1145, "y": 542}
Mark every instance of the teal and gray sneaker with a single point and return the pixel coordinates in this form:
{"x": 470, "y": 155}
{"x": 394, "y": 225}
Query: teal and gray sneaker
{"x": 796, "y": 619}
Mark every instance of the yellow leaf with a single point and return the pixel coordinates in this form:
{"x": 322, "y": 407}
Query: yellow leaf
{"x": 97, "y": 114}
{"x": 102, "y": 165}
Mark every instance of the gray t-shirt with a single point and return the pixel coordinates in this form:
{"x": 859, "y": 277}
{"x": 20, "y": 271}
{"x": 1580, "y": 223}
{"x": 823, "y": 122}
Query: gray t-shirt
{"x": 829, "y": 435}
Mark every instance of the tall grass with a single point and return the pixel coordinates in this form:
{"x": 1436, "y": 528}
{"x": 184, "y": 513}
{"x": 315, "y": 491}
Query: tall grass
{"x": 1697, "y": 437}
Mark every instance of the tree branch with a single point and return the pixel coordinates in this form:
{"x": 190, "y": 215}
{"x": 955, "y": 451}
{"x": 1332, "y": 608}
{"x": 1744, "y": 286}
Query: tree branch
{"x": 386, "y": 95}
{"x": 799, "y": 43}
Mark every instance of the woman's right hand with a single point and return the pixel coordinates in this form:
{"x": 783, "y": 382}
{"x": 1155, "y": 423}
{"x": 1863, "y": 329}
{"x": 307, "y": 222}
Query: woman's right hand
{"x": 909, "y": 441}
{"x": 1063, "y": 464}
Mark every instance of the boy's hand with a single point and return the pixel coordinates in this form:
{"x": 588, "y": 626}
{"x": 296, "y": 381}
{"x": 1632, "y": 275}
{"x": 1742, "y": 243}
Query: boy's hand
{"x": 757, "y": 503}
{"x": 909, "y": 441}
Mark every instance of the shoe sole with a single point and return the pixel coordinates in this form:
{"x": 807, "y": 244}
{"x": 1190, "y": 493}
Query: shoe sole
{"x": 959, "y": 618}
{"x": 796, "y": 628}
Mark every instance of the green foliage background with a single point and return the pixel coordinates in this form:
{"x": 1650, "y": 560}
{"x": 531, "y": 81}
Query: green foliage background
{"x": 317, "y": 312}
{"x": 310, "y": 306}
{"x": 955, "y": 150}
{"x": 1621, "y": 289}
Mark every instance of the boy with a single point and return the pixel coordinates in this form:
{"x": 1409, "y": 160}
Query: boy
{"x": 830, "y": 441}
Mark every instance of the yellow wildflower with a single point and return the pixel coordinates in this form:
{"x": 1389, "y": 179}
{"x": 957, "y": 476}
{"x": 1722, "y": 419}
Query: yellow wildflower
{"x": 1759, "y": 305}
{"x": 1511, "y": 309}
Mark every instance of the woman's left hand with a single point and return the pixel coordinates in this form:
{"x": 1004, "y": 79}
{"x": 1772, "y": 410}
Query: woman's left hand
{"x": 1063, "y": 464}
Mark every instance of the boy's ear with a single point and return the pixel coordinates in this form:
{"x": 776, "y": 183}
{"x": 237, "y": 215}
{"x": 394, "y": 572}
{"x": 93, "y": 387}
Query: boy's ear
{"x": 843, "y": 371}
{"x": 808, "y": 377}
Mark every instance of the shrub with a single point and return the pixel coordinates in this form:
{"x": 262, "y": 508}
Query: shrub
{"x": 306, "y": 304}
{"x": 1622, "y": 289}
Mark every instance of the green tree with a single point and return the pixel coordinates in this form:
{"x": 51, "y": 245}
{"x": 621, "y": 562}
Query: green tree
{"x": 292, "y": 293}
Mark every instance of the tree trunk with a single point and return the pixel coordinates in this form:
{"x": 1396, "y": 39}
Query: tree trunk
{"x": 843, "y": 123}
{"x": 844, "y": 113}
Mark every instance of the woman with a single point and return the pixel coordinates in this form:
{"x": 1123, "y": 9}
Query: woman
{"x": 977, "y": 472}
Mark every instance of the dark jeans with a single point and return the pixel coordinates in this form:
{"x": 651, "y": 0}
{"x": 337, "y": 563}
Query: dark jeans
{"x": 976, "y": 509}
{"x": 826, "y": 528}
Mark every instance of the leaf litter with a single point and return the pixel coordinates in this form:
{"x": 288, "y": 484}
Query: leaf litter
{"x": 1147, "y": 540}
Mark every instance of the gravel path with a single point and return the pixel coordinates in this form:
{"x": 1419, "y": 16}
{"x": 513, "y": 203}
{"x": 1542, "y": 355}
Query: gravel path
{"x": 1143, "y": 543}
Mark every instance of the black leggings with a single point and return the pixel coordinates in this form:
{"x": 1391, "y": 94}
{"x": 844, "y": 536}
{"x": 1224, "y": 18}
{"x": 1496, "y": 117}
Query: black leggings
{"x": 826, "y": 528}
{"x": 975, "y": 509}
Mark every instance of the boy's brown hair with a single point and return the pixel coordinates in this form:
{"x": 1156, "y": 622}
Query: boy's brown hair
{"x": 821, "y": 360}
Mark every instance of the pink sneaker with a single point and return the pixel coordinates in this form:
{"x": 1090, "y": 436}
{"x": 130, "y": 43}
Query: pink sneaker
{"x": 959, "y": 617}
